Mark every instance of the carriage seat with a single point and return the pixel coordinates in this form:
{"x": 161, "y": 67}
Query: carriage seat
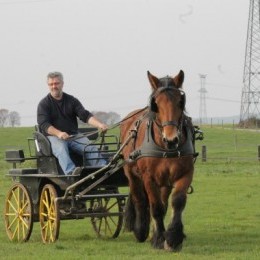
{"x": 43, "y": 145}
{"x": 47, "y": 162}
{"x": 17, "y": 157}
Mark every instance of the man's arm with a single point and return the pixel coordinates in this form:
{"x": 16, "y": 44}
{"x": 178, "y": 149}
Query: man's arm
{"x": 95, "y": 122}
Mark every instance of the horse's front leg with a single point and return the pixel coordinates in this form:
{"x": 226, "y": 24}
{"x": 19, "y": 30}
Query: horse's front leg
{"x": 158, "y": 211}
{"x": 174, "y": 235}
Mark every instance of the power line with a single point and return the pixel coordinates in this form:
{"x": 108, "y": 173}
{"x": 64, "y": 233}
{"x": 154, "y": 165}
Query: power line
{"x": 220, "y": 85}
{"x": 223, "y": 99}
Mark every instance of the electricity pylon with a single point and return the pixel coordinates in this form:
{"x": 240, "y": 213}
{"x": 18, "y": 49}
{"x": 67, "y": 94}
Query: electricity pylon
{"x": 250, "y": 105}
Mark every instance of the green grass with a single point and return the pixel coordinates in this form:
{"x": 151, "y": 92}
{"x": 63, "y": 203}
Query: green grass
{"x": 230, "y": 144}
{"x": 221, "y": 219}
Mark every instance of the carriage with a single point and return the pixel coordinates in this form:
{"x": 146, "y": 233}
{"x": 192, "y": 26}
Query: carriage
{"x": 154, "y": 156}
{"x": 44, "y": 194}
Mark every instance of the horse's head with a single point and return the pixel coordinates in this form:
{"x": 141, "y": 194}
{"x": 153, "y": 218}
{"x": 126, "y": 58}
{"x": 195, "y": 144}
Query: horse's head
{"x": 167, "y": 101}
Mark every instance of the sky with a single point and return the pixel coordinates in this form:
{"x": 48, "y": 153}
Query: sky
{"x": 104, "y": 49}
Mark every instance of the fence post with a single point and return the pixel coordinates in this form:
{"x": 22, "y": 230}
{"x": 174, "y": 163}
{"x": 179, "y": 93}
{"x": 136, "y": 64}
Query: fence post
{"x": 204, "y": 153}
{"x": 258, "y": 152}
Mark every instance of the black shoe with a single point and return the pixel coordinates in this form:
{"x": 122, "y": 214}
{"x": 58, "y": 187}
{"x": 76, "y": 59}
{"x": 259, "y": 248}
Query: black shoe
{"x": 77, "y": 171}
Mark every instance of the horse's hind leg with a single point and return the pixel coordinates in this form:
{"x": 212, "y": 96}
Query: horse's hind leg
{"x": 137, "y": 214}
{"x": 130, "y": 215}
{"x": 142, "y": 221}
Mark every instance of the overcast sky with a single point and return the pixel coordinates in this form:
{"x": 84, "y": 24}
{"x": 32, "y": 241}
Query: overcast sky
{"x": 105, "y": 47}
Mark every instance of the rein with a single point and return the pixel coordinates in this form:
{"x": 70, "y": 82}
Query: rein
{"x": 74, "y": 137}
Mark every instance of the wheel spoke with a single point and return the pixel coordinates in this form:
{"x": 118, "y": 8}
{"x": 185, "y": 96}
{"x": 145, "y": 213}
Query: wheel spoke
{"x": 46, "y": 200}
{"x": 24, "y": 227}
{"x": 14, "y": 195}
{"x": 44, "y": 214}
{"x": 16, "y": 232}
{"x": 22, "y": 222}
{"x": 108, "y": 226}
{"x": 111, "y": 206}
{"x": 13, "y": 222}
{"x": 12, "y": 205}
{"x": 44, "y": 227}
{"x": 53, "y": 218}
{"x": 112, "y": 219}
{"x": 24, "y": 204}
{"x": 100, "y": 220}
{"x": 51, "y": 232}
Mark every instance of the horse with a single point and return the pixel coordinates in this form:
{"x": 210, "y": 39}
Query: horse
{"x": 160, "y": 158}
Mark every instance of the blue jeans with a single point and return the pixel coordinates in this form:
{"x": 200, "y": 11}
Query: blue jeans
{"x": 61, "y": 150}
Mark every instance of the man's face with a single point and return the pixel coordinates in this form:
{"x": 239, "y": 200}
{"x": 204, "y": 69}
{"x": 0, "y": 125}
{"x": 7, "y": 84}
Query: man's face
{"x": 55, "y": 87}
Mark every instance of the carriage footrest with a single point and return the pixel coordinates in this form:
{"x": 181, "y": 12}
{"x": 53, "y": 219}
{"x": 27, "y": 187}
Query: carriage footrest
{"x": 23, "y": 171}
{"x": 97, "y": 196}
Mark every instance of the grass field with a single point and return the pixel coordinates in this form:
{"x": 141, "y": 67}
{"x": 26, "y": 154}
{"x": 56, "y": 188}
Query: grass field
{"x": 221, "y": 219}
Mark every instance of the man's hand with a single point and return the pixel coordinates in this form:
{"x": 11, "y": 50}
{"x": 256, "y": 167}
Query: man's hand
{"x": 56, "y": 132}
{"x": 103, "y": 127}
{"x": 63, "y": 135}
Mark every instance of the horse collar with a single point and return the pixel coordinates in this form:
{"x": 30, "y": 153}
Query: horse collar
{"x": 150, "y": 149}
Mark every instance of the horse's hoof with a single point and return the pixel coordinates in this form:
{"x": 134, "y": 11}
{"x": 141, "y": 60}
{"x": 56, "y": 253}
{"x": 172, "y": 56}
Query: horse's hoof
{"x": 167, "y": 247}
{"x": 172, "y": 249}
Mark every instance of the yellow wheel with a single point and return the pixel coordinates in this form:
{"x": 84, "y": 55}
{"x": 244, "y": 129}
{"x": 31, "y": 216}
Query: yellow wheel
{"x": 18, "y": 213}
{"x": 107, "y": 217}
{"x": 49, "y": 214}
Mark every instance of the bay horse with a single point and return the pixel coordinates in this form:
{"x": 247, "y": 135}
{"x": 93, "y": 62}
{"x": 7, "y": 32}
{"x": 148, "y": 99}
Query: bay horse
{"x": 160, "y": 161}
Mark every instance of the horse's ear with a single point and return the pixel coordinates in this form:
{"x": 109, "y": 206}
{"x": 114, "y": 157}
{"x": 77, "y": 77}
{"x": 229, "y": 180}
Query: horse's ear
{"x": 178, "y": 80}
{"x": 153, "y": 80}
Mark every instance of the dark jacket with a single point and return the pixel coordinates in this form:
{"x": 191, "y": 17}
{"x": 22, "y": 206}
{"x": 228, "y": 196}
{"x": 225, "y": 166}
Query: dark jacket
{"x": 62, "y": 114}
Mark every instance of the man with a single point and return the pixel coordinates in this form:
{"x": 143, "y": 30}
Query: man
{"x": 57, "y": 115}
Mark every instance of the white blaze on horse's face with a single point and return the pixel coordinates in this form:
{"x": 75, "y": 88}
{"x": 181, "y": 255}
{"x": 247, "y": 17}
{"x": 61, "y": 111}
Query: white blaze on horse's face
{"x": 169, "y": 114}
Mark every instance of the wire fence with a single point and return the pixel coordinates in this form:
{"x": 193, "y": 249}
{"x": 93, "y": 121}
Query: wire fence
{"x": 229, "y": 143}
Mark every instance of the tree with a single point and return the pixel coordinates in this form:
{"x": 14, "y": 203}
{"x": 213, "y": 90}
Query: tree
{"x": 14, "y": 118}
{"x": 113, "y": 118}
{"x": 107, "y": 118}
{"x": 102, "y": 116}
{"x": 3, "y": 116}
{"x": 6, "y": 118}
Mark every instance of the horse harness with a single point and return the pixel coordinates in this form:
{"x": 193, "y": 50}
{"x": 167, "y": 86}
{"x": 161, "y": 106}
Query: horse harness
{"x": 150, "y": 149}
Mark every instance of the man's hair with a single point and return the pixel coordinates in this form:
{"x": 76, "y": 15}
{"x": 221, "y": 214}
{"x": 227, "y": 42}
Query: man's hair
{"x": 55, "y": 74}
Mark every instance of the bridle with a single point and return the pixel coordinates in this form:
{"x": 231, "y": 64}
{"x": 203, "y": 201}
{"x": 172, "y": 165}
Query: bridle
{"x": 152, "y": 105}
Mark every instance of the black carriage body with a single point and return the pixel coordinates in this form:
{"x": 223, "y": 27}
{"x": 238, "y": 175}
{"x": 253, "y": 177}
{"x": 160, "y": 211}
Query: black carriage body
{"x": 76, "y": 196}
